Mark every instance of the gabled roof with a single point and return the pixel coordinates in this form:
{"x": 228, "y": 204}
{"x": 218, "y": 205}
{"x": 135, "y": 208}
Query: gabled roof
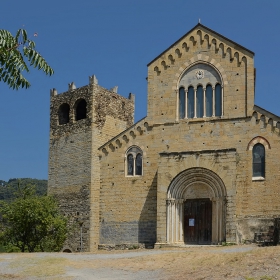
{"x": 123, "y": 132}
{"x": 199, "y": 25}
{"x": 266, "y": 113}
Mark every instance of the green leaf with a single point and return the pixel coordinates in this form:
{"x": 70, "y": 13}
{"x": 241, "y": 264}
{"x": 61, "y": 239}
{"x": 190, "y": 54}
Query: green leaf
{"x": 13, "y": 59}
{"x": 24, "y": 35}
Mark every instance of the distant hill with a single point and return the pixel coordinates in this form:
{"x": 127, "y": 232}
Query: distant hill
{"x": 7, "y": 189}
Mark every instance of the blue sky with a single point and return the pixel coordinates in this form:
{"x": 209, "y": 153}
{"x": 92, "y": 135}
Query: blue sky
{"x": 115, "y": 40}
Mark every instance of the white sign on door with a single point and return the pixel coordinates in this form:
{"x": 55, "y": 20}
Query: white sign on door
{"x": 191, "y": 222}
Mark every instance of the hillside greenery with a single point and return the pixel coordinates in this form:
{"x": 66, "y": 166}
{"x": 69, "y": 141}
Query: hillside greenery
{"x": 8, "y": 189}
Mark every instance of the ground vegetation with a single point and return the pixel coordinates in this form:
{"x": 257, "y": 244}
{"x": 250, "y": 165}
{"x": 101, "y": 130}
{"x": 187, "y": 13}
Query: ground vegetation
{"x": 246, "y": 262}
{"x": 31, "y": 222}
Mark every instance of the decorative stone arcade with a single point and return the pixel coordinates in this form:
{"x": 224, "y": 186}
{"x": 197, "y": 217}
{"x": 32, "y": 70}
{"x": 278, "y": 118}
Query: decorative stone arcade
{"x": 195, "y": 183}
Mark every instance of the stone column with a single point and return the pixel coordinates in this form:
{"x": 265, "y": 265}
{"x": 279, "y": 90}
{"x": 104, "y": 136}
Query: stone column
{"x": 222, "y": 101}
{"x": 181, "y": 220}
{"x": 195, "y": 91}
{"x": 175, "y": 221}
{"x": 168, "y": 208}
{"x": 221, "y": 214}
{"x": 172, "y": 220}
{"x": 213, "y": 102}
{"x": 186, "y": 104}
{"x": 215, "y": 228}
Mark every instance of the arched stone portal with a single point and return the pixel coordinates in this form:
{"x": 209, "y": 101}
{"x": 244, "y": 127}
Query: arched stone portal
{"x": 195, "y": 185}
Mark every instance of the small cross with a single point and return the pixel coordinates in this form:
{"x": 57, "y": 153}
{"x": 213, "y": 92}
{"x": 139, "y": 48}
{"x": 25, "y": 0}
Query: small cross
{"x": 199, "y": 20}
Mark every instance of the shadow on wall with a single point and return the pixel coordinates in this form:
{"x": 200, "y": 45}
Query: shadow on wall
{"x": 76, "y": 208}
{"x": 148, "y": 217}
{"x": 142, "y": 231}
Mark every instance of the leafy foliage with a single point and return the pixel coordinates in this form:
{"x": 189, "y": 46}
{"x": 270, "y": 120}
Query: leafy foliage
{"x": 15, "y": 54}
{"x": 31, "y": 222}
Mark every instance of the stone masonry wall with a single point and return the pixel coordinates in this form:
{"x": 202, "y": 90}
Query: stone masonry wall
{"x": 108, "y": 103}
{"x": 73, "y": 158}
{"x": 70, "y": 165}
{"x": 234, "y": 64}
{"x": 124, "y": 201}
{"x": 132, "y": 210}
{"x": 221, "y": 162}
{"x": 112, "y": 114}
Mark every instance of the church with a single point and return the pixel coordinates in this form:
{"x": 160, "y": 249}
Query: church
{"x": 201, "y": 168}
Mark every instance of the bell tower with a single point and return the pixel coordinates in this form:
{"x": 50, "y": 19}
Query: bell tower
{"x": 81, "y": 120}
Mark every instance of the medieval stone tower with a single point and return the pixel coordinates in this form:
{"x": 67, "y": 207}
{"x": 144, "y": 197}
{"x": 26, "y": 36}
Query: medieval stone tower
{"x": 81, "y": 120}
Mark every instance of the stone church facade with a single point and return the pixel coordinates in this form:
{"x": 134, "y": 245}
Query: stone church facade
{"x": 201, "y": 168}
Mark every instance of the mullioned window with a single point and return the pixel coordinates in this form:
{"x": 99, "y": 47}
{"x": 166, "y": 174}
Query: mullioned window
{"x": 200, "y": 93}
{"x": 134, "y": 161}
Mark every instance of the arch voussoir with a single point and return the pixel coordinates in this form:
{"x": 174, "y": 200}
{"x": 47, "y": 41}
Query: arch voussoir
{"x": 192, "y": 175}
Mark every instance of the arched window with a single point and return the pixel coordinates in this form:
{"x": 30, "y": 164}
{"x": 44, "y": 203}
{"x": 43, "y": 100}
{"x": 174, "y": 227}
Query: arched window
{"x": 190, "y": 102}
{"x": 182, "y": 103}
{"x": 209, "y": 101}
{"x": 130, "y": 165}
{"x": 138, "y": 164}
{"x": 259, "y": 161}
{"x": 204, "y": 95}
{"x": 199, "y": 102}
{"x": 63, "y": 113}
{"x": 218, "y": 100}
{"x": 134, "y": 161}
{"x": 81, "y": 109}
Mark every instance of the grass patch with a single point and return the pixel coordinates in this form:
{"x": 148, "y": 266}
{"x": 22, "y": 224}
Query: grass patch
{"x": 228, "y": 244}
{"x": 9, "y": 276}
{"x": 41, "y": 267}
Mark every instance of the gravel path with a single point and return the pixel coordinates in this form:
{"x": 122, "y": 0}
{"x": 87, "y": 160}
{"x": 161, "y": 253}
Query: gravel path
{"x": 103, "y": 265}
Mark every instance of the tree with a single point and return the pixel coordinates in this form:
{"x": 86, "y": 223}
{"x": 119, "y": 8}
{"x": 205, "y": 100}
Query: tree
{"x": 8, "y": 189}
{"x": 15, "y": 53}
{"x": 31, "y": 222}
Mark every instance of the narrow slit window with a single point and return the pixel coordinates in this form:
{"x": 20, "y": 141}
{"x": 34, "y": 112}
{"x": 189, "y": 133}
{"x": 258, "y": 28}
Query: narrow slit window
{"x": 199, "y": 102}
{"x": 130, "y": 165}
{"x": 209, "y": 101}
{"x": 190, "y": 102}
{"x": 182, "y": 103}
{"x": 218, "y": 100}
{"x": 259, "y": 161}
{"x": 138, "y": 164}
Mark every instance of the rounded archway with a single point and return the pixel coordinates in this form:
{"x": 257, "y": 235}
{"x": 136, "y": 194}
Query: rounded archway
{"x": 196, "y": 207}
{"x": 81, "y": 109}
{"x": 63, "y": 113}
{"x": 67, "y": 251}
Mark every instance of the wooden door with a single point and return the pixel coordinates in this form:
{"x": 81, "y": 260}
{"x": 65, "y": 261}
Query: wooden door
{"x": 198, "y": 221}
